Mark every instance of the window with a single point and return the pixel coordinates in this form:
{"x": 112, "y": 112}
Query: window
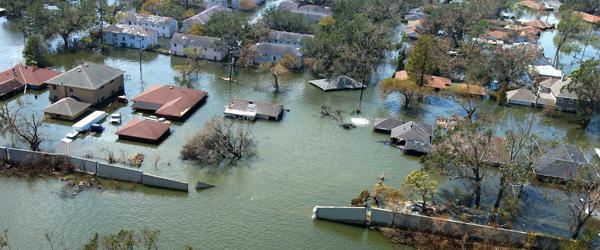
{"x": 571, "y": 101}
{"x": 274, "y": 58}
{"x": 111, "y": 81}
{"x": 174, "y": 45}
{"x": 129, "y": 22}
{"x": 53, "y": 86}
{"x": 71, "y": 90}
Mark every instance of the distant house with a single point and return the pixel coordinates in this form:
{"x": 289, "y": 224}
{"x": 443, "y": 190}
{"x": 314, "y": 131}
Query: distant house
{"x": 522, "y": 97}
{"x": 544, "y": 71}
{"x": 129, "y": 36}
{"x": 413, "y": 137}
{"x": 589, "y": 17}
{"x": 67, "y": 109}
{"x": 171, "y": 102}
{"x": 10, "y": 88}
{"x": 337, "y": 83}
{"x": 145, "y": 131}
{"x": 559, "y": 163}
{"x": 539, "y": 24}
{"x": 272, "y": 53}
{"x": 415, "y": 14}
{"x": 89, "y": 82}
{"x": 470, "y": 89}
{"x": 434, "y": 82}
{"x": 251, "y": 110}
{"x": 235, "y": 4}
{"x": 202, "y": 17}
{"x": 312, "y": 12}
{"x": 385, "y": 125}
{"x": 164, "y": 26}
{"x": 33, "y": 77}
{"x": 413, "y": 28}
{"x": 555, "y": 91}
{"x": 204, "y": 46}
{"x": 287, "y": 38}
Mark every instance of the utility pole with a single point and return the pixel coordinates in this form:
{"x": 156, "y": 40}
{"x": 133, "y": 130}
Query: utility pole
{"x": 141, "y": 75}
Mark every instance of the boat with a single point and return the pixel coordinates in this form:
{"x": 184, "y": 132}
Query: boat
{"x": 86, "y": 123}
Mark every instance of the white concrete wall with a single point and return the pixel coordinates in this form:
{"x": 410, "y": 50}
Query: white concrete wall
{"x": 348, "y": 215}
{"x": 163, "y": 30}
{"x": 130, "y": 41}
{"x": 119, "y": 173}
{"x": 155, "y": 181}
{"x": 26, "y": 157}
{"x": 83, "y": 165}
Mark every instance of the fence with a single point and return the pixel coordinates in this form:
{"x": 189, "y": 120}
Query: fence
{"x": 27, "y": 157}
{"x": 438, "y": 226}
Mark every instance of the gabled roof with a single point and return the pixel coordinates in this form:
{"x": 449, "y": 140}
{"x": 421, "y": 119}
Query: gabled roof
{"x": 416, "y": 136}
{"x": 280, "y": 49}
{"x": 533, "y": 4}
{"x": 539, "y": 24}
{"x": 561, "y": 161}
{"x": 438, "y": 82}
{"x": 144, "y": 129}
{"x": 337, "y": 83}
{"x": 87, "y": 76}
{"x": 67, "y": 107}
{"x": 172, "y": 101}
{"x": 193, "y": 40}
{"x": 401, "y": 75}
{"x": 9, "y": 86}
{"x": 558, "y": 89}
{"x": 28, "y": 74}
{"x": 521, "y": 95}
{"x": 204, "y": 16}
{"x": 386, "y": 124}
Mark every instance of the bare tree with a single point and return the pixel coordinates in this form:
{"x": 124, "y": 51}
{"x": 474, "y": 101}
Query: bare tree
{"x": 583, "y": 194}
{"x": 20, "y": 126}
{"x": 218, "y": 140}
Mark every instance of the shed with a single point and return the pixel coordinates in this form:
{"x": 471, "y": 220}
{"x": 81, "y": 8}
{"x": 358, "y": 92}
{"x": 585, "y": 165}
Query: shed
{"x": 251, "y": 110}
{"x": 337, "y": 83}
{"x": 385, "y": 125}
{"x": 67, "y": 109}
{"x": 146, "y": 131}
{"x": 413, "y": 137}
{"x": 171, "y": 102}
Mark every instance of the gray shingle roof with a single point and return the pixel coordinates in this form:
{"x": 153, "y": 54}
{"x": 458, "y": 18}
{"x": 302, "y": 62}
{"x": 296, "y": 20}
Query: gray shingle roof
{"x": 417, "y": 136}
{"x": 87, "y": 76}
{"x": 202, "y": 41}
{"x": 337, "y": 83}
{"x": 560, "y": 161}
{"x": 522, "y": 95}
{"x": 386, "y": 124}
{"x": 288, "y": 36}
{"x": 137, "y": 17}
{"x": 204, "y": 16}
{"x": 135, "y": 30}
{"x": 273, "y": 48}
{"x": 267, "y": 109}
{"x": 67, "y": 107}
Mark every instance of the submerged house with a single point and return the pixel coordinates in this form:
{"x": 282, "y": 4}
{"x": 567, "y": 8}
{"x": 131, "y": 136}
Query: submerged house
{"x": 312, "y": 12}
{"x": 164, "y": 26}
{"x": 251, "y": 110}
{"x": 559, "y": 163}
{"x": 385, "y": 125}
{"x": 204, "y": 47}
{"x": 337, "y": 83}
{"x": 31, "y": 76}
{"x": 523, "y": 97}
{"x": 145, "y": 131}
{"x": 67, "y": 109}
{"x": 413, "y": 137}
{"x": 544, "y": 71}
{"x": 287, "y": 38}
{"x": 273, "y": 52}
{"x": 435, "y": 82}
{"x": 10, "y": 88}
{"x": 129, "y": 36}
{"x": 89, "y": 82}
{"x": 171, "y": 102}
{"x": 554, "y": 90}
{"x": 202, "y": 17}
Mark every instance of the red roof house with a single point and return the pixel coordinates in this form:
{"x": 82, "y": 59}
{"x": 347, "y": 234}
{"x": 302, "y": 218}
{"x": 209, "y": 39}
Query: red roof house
{"x": 146, "y": 131}
{"x": 171, "y": 102}
{"x": 10, "y": 88}
{"x": 32, "y": 76}
{"x": 589, "y": 17}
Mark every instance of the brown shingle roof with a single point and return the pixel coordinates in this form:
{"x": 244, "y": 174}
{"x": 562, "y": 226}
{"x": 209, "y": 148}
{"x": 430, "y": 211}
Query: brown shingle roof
{"x": 9, "y": 86}
{"x": 144, "y": 129}
{"x": 170, "y": 101}
{"x": 438, "y": 82}
{"x": 28, "y": 74}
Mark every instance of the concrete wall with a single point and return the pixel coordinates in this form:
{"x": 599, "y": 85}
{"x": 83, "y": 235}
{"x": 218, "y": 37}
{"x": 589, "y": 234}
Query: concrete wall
{"x": 3, "y": 154}
{"x": 26, "y": 157}
{"x": 348, "y": 215}
{"x": 83, "y": 165}
{"x": 155, "y": 181}
{"x": 119, "y": 173}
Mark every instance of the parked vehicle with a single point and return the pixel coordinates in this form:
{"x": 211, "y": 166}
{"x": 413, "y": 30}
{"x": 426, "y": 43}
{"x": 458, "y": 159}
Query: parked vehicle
{"x": 85, "y": 123}
{"x": 96, "y": 128}
{"x": 70, "y": 137}
{"x": 115, "y": 118}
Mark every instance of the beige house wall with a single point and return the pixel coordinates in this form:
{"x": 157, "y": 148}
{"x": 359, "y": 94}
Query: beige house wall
{"x": 90, "y": 96}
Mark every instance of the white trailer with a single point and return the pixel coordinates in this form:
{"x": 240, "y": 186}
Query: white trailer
{"x": 85, "y": 123}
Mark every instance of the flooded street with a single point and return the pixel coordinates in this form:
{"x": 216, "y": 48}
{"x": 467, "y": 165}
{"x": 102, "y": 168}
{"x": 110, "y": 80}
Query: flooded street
{"x": 264, "y": 202}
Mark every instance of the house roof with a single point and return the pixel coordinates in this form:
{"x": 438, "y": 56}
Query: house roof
{"x": 9, "y": 85}
{"x": 521, "y": 95}
{"x": 337, "y": 83}
{"x": 288, "y": 36}
{"x": 288, "y": 5}
{"x": 497, "y": 35}
{"x": 144, "y": 129}
{"x": 146, "y": 18}
{"x": 280, "y": 49}
{"x": 557, "y": 86}
{"x": 545, "y": 70}
{"x": 28, "y": 74}
{"x": 205, "y": 15}
{"x": 134, "y": 30}
{"x": 314, "y": 9}
{"x": 87, "y": 76}
{"x": 438, "y": 82}
{"x": 533, "y": 4}
{"x": 386, "y": 123}
{"x": 560, "y": 161}
{"x": 539, "y": 24}
{"x": 401, "y": 75}
{"x": 168, "y": 100}
{"x": 589, "y": 17}
{"x": 417, "y": 136}
{"x": 268, "y": 109}
{"x": 201, "y": 41}
{"x": 470, "y": 89}
{"x": 67, "y": 107}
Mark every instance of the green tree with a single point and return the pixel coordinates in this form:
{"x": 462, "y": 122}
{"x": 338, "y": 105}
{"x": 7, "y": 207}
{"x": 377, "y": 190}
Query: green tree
{"x": 35, "y": 52}
{"x": 568, "y": 29}
{"x": 421, "y": 185}
{"x": 585, "y": 84}
{"x": 583, "y": 195}
{"x": 509, "y": 66}
{"x": 422, "y": 60}
{"x": 285, "y": 20}
{"x": 71, "y": 17}
{"x": 196, "y": 29}
{"x": 409, "y": 89}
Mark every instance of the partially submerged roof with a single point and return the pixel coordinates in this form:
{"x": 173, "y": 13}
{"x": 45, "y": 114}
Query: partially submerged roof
{"x": 67, "y": 107}
{"x": 533, "y": 4}
{"x": 539, "y": 24}
{"x": 260, "y": 108}
{"x": 28, "y": 74}
{"x": 171, "y": 101}
{"x": 521, "y": 95}
{"x": 560, "y": 161}
{"x": 470, "y": 89}
{"x": 9, "y": 86}
{"x": 401, "y": 75}
{"x": 288, "y": 36}
{"x": 134, "y": 30}
{"x": 205, "y": 15}
{"x": 87, "y": 76}
{"x": 193, "y": 40}
{"x": 438, "y": 82}
{"x": 337, "y": 83}
{"x": 386, "y": 124}
{"x": 416, "y": 136}
{"x": 276, "y": 48}
{"x": 144, "y": 129}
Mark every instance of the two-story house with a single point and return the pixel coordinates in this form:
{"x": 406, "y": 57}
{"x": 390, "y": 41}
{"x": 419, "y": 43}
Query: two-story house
{"x": 287, "y": 38}
{"x": 129, "y": 36}
{"x": 91, "y": 83}
{"x": 202, "y": 17}
{"x": 164, "y": 26}
{"x": 204, "y": 47}
{"x": 273, "y": 52}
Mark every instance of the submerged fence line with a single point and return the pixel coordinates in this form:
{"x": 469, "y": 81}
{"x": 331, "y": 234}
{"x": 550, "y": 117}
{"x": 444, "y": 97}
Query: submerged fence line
{"x": 103, "y": 170}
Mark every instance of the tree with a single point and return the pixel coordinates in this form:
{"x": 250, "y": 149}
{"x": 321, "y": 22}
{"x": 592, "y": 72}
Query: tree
{"x": 280, "y": 68}
{"x": 196, "y": 29}
{"x": 420, "y": 184}
{"x": 285, "y": 20}
{"x": 583, "y": 194}
{"x": 191, "y": 67}
{"x": 569, "y": 27}
{"x": 422, "y": 60}
{"x": 219, "y": 140}
{"x": 509, "y": 66}
{"x": 409, "y": 89}
{"x": 71, "y": 17}
{"x": 585, "y": 84}
{"x": 467, "y": 96}
{"x": 19, "y": 125}
{"x": 36, "y": 52}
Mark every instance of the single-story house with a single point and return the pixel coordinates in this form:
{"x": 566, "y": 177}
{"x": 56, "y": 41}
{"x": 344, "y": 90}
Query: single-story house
{"x": 171, "y": 102}
{"x": 32, "y": 76}
{"x": 287, "y": 38}
{"x": 165, "y": 26}
{"x": 89, "y": 82}
{"x": 337, "y": 83}
{"x": 522, "y": 97}
{"x": 413, "y": 137}
{"x": 202, "y": 17}
{"x": 589, "y": 17}
{"x": 559, "y": 163}
{"x": 129, "y": 36}
{"x": 251, "y": 110}
{"x": 67, "y": 109}
{"x": 145, "y": 131}
{"x": 10, "y": 88}
{"x": 272, "y": 53}
{"x": 385, "y": 125}
{"x": 205, "y": 47}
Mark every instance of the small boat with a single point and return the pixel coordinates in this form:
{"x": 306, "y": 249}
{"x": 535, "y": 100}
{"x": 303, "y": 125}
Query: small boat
{"x": 225, "y": 78}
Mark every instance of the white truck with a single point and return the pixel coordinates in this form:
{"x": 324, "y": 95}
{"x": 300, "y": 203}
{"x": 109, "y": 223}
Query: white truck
{"x": 85, "y": 123}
